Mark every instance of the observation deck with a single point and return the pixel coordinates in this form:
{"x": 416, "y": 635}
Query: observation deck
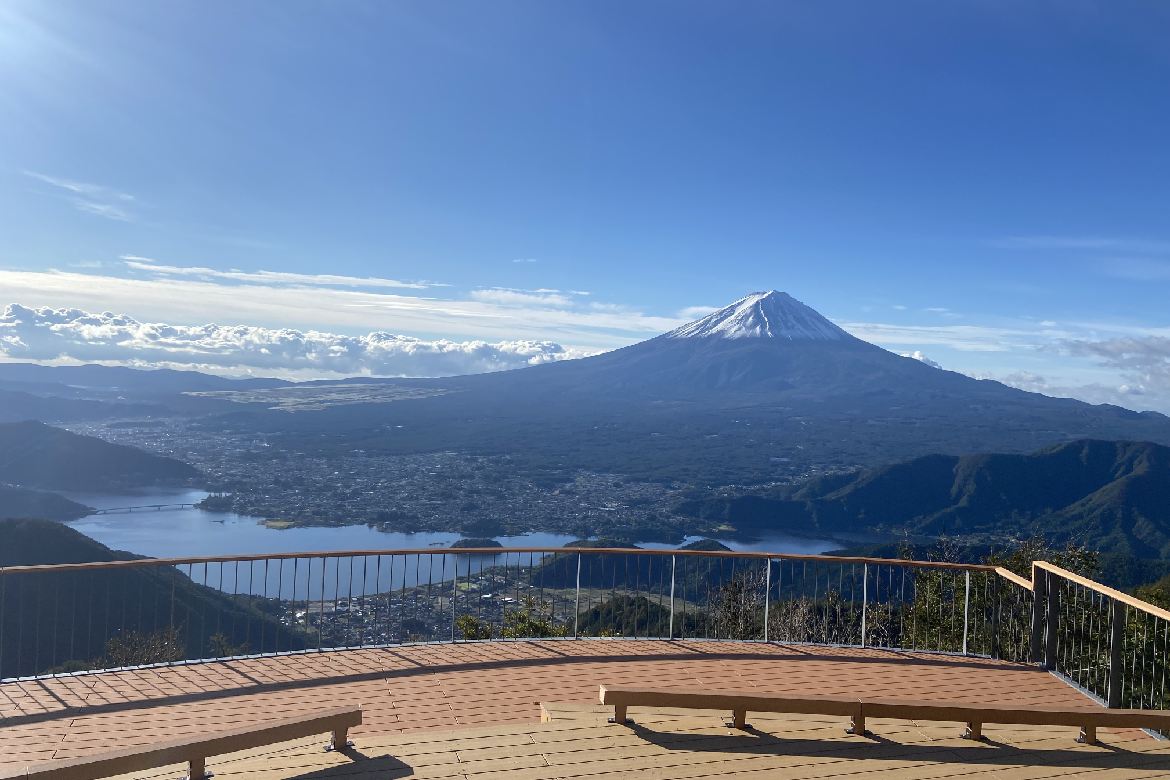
{"x": 433, "y": 707}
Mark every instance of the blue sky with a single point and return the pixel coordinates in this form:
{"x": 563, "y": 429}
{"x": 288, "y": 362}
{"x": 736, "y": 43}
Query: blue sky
{"x": 986, "y": 183}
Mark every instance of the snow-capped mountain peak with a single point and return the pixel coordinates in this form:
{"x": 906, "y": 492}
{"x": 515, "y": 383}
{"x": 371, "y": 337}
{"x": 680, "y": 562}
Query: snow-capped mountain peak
{"x": 763, "y": 315}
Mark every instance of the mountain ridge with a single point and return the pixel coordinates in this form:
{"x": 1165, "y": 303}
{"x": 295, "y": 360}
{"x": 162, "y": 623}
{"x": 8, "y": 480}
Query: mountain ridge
{"x": 39, "y": 456}
{"x": 1112, "y": 495}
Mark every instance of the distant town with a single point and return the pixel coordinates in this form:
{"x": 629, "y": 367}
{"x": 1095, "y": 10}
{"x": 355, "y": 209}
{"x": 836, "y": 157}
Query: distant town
{"x": 443, "y": 491}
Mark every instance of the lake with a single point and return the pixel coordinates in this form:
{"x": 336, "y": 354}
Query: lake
{"x": 181, "y": 533}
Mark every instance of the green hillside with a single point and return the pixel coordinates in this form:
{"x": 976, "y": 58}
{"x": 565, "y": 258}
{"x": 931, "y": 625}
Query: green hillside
{"x": 16, "y": 503}
{"x": 35, "y": 455}
{"x": 1112, "y": 496}
{"x": 102, "y": 618}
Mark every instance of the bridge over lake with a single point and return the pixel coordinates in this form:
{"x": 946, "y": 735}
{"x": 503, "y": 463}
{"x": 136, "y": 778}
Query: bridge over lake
{"x": 117, "y": 510}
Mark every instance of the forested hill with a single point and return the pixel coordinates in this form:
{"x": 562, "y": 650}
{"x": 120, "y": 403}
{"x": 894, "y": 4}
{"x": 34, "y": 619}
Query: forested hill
{"x": 35, "y": 455}
{"x": 87, "y": 619}
{"x": 1113, "y": 496}
{"x": 24, "y": 503}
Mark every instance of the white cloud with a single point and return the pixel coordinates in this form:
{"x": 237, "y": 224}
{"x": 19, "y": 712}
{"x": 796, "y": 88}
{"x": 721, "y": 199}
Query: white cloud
{"x": 193, "y": 300}
{"x": 91, "y": 198}
{"x": 942, "y": 311}
{"x": 1128, "y": 396}
{"x": 899, "y": 307}
{"x": 45, "y": 334}
{"x": 148, "y": 265}
{"x": 525, "y": 260}
{"x": 541, "y": 297}
{"x": 964, "y": 338}
{"x": 509, "y": 297}
{"x": 696, "y": 312}
{"x": 917, "y": 355}
{"x": 1144, "y": 361}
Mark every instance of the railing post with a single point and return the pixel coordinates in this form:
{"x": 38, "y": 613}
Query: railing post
{"x": 1039, "y": 600}
{"x": 671, "y": 629}
{"x": 1116, "y": 643}
{"x": 966, "y": 606}
{"x": 995, "y": 607}
{"x": 577, "y": 601}
{"x": 454, "y": 592}
{"x": 767, "y": 595}
{"x": 865, "y": 601}
{"x": 1053, "y": 624}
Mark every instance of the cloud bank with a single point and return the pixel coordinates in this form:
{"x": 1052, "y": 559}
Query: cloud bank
{"x": 46, "y": 334}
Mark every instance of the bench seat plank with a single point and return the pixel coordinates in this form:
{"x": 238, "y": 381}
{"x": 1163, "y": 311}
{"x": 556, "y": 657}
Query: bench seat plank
{"x": 192, "y": 750}
{"x": 800, "y": 705}
{"x": 1089, "y": 719}
{"x": 1024, "y": 716}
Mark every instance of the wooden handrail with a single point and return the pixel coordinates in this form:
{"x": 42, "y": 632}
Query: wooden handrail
{"x": 139, "y": 562}
{"x": 859, "y": 709}
{"x": 1011, "y": 576}
{"x": 195, "y": 751}
{"x": 1104, "y": 590}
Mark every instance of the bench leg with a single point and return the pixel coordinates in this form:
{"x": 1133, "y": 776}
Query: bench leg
{"x": 1088, "y": 735}
{"x": 974, "y": 730}
{"x": 619, "y": 715}
{"x": 197, "y": 769}
{"x": 857, "y": 725}
{"x": 340, "y": 739}
{"x": 739, "y": 720}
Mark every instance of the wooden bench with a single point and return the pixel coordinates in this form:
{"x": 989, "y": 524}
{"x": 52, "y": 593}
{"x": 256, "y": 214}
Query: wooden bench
{"x": 740, "y": 704}
{"x": 195, "y": 750}
{"x": 1089, "y": 719}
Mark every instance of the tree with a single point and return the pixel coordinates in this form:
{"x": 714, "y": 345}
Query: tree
{"x": 135, "y": 648}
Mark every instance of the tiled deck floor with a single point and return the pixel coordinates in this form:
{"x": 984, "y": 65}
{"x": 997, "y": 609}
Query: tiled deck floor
{"x": 413, "y": 696}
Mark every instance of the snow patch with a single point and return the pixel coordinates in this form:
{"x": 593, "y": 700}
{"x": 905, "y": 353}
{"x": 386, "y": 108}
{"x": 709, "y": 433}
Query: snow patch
{"x": 763, "y": 315}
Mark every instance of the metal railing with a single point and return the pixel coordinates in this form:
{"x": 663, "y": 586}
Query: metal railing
{"x": 1109, "y": 644}
{"x": 87, "y": 616}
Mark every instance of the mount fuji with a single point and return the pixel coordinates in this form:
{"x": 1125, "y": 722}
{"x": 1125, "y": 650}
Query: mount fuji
{"x": 765, "y": 344}
{"x": 764, "y": 388}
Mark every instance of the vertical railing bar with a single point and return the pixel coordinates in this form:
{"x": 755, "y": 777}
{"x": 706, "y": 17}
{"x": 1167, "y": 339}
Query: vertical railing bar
{"x": 349, "y": 605}
{"x": 1165, "y": 646}
{"x": 1052, "y": 629}
{"x": 994, "y": 597}
{"x": 577, "y": 600}
{"x": 454, "y": 592}
{"x": 670, "y": 630}
{"x": 767, "y": 594}
{"x": 262, "y": 622}
{"x": 362, "y": 623}
{"x": 1145, "y": 648}
{"x": 864, "y": 602}
{"x": 966, "y": 606}
{"x": 390, "y": 636}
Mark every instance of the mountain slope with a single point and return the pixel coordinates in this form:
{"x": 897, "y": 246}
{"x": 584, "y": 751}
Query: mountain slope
{"x": 763, "y": 389}
{"x": 35, "y": 455}
{"x": 1114, "y": 496}
{"x": 54, "y": 620}
{"x": 24, "y": 503}
{"x": 18, "y": 405}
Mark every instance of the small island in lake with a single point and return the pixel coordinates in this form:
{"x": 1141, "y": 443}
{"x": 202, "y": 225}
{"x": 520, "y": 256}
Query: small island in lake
{"x": 473, "y": 542}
